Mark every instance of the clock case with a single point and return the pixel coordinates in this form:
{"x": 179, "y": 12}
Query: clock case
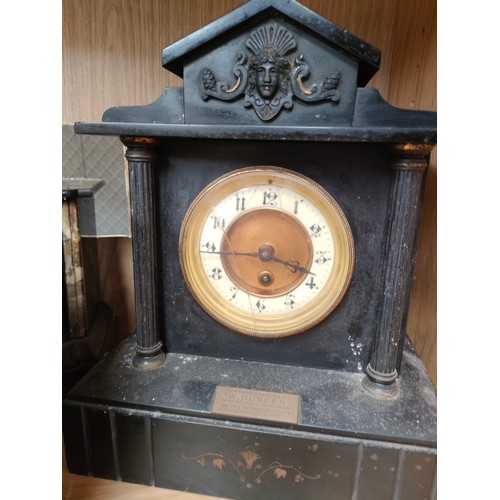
{"x": 142, "y": 412}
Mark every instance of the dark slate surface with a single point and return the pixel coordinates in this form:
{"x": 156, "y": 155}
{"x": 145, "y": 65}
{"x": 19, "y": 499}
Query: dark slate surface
{"x": 330, "y": 401}
{"x": 245, "y": 461}
{"x": 374, "y": 120}
{"x": 357, "y": 177}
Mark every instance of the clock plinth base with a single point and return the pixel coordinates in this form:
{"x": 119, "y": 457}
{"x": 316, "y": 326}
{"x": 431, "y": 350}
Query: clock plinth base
{"x": 156, "y": 427}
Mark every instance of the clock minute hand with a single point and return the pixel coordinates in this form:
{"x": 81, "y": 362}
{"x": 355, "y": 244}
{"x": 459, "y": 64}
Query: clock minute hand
{"x": 245, "y": 254}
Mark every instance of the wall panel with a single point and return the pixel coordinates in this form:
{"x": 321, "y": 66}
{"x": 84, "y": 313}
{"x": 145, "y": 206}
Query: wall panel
{"x": 412, "y": 85}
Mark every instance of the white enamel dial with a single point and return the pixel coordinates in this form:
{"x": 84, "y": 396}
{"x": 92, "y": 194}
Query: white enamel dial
{"x": 278, "y": 198}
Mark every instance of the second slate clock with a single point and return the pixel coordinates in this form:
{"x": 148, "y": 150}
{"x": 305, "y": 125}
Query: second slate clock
{"x": 266, "y": 251}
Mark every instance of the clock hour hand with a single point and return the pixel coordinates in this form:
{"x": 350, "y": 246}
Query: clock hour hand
{"x": 292, "y": 265}
{"x": 266, "y": 253}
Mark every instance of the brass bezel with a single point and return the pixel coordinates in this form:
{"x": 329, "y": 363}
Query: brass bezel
{"x": 280, "y": 325}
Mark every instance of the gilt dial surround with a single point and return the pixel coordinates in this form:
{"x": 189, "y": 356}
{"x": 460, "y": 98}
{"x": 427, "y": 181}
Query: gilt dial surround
{"x": 266, "y": 251}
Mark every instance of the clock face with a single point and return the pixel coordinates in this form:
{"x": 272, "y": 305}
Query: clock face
{"x": 266, "y": 252}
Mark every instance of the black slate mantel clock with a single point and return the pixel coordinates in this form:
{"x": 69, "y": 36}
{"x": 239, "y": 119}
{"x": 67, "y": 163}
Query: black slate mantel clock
{"x": 275, "y": 205}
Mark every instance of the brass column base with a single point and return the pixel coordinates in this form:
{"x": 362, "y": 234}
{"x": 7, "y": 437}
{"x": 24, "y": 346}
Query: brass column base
{"x": 380, "y": 385}
{"x": 148, "y": 359}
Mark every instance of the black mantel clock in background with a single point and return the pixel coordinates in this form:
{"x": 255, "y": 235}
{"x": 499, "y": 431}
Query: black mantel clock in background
{"x": 275, "y": 206}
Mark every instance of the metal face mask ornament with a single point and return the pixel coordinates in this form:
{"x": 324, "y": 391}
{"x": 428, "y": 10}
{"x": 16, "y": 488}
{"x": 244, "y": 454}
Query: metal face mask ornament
{"x": 267, "y": 78}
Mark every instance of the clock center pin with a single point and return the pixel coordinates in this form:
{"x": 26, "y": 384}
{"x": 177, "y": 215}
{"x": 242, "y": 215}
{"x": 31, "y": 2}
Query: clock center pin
{"x": 266, "y": 253}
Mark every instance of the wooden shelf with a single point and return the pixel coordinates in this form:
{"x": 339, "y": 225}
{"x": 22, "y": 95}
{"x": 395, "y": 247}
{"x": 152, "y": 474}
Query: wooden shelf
{"x": 75, "y": 487}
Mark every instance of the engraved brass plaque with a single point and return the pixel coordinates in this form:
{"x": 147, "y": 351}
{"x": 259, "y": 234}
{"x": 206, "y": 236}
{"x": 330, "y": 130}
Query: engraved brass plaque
{"x": 250, "y": 403}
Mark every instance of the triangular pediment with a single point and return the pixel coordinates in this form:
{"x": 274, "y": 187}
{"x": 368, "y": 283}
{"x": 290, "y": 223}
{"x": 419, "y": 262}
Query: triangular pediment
{"x": 271, "y": 60}
{"x": 253, "y": 13}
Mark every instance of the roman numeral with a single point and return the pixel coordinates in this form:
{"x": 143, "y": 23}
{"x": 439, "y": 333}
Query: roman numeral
{"x": 240, "y": 203}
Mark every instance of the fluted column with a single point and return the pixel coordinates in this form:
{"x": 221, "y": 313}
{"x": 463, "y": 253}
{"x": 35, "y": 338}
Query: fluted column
{"x": 409, "y": 166}
{"x": 141, "y": 155}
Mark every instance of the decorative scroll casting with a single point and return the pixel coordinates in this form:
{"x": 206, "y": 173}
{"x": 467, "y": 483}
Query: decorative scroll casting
{"x": 250, "y": 469}
{"x": 267, "y": 77}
